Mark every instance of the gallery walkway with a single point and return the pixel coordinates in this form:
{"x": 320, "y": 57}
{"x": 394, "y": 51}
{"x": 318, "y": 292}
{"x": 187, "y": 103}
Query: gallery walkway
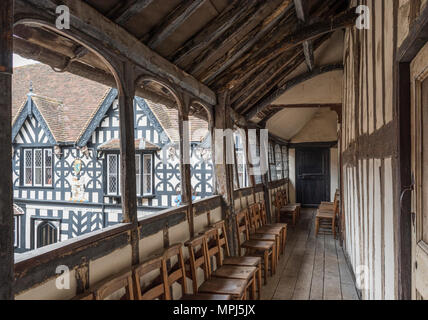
{"x": 313, "y": 268}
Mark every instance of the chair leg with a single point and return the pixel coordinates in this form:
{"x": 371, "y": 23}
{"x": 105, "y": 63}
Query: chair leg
{"x": 317, "y": 226}
{"x": 266, "y": 264}
{"x": 253, "y": 288}
{"x": 259, "y": 279}
{"x": 294, "y": 218}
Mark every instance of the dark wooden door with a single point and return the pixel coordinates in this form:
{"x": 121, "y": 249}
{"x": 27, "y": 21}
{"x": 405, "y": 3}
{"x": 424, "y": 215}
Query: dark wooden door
{"x": 312, "y": 176}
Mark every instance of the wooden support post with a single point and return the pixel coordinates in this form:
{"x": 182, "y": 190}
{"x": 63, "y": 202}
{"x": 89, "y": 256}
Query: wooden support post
{"x": 224, "y": 171}
{"x": 127, "y": 155}
{"x": 185, "y": 169}
{"x": 250, "y": 165}
{"x": 6, "y": 195}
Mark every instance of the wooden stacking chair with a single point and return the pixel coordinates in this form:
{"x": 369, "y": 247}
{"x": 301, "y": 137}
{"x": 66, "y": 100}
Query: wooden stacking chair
{"x": 284, "y": 210}
{"x": 261, "y": 227}
{"x": 266, "y": 249}
{"x": 198, "y": 258}
{"x": 237, "y": 261}
{"x": 247, "y": 273}
{"x": 157, "y": 289}
{"x": 326, "y": 216}
{"x": 176, "y": 273}
{"x": 113, "y": 284}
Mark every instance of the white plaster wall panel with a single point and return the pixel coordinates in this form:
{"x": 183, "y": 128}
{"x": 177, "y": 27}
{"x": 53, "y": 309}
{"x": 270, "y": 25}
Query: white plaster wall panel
{"x": 334, "y": 172}
{"x": 390, "y": 283}
{"x": 378, "y": 230}
{"x": 49, "y": 291}
{"x": 150, "y": 245}
{"x": 292, "y": 174}
{"x": 112, "y": 263}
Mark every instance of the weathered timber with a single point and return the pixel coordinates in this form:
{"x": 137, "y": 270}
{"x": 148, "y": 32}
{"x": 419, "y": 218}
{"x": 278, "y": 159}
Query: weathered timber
{"x": 174, "y": 20}
{"x": 245, "y": 43}
{"x": 290, "y": 84}
{"x": 301, "y": 12}
{"x": 309, "y": 32}
{"x": 253, "y": 85}
{"x": 108, "y": 39}
{"x": 6, "y": 210}
{"x": 194, "y": 46}
{"x": 126, "y": 13}
{"x": 127, "y": 154}
{"x": 236, "y": 33}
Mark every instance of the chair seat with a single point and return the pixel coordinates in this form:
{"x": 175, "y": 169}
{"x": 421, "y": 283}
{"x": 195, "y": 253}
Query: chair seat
{"x": 234, "y": 287}
{"x": 206, "y": 297}
{"x": 277, "y": 225}
{"x": 269, "y": 230}
{"x": 263, "y": 236}
{"x": 235, "y": 272}
{"x": 325, "y": 214}
{"x": 258, "y": 245}
{"x": 242, "y": 261}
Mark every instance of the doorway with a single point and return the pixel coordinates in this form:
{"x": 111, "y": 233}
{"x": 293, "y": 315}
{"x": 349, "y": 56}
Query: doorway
{"x": 312, "y": 175}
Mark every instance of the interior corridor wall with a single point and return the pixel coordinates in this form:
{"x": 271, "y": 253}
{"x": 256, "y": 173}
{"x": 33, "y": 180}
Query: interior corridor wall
{"x": 369, "y": 149}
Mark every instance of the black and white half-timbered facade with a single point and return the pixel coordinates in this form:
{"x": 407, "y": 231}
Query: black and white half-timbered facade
{"x": 66, "y": 157}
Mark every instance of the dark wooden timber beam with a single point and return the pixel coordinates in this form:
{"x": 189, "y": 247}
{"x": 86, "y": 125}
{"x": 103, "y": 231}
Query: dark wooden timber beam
{"x": 256, "y": 93}
{"x": 210, "y": 33}
{"x": 109, "y": 39}
{"x": 246, "y": 43}
{"x": 309, "y": 32}
{"x": 301, "y": 7}
{"x": 255, "y": 15}
{"x": 281, "y": 89}
{"x": 132, "y": 10}
{"x": 6, "y": 190}
{"x": 173, "y": 22}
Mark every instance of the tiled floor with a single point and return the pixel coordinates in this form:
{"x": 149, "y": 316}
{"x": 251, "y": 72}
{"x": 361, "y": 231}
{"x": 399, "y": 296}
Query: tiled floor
{"x": 312, "y": 268}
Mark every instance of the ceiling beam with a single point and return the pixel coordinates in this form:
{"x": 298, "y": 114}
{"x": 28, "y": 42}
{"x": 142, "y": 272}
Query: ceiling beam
{"x": 210, "y": 33}
{"x": 246, "y": 43}
{"x": 173, "y": 21}
{"x": 280, "y": 90}
{"x": 295, "y": 61}
{"x": 104, "y": 36}
{"x": 132, "y": 10}
{"x": 255, "y": 15}
{"x": 310, "y": 32}
{"x": 301, "y": 7}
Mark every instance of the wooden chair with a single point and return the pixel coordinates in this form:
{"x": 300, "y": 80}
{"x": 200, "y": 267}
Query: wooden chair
{"x": 157, "y": 289}
{"x": 284, "y": 194}
{"x": 326, "y": 216}
{"x": 237, "y": 261}
{"x": 284, "y": 210}
{"x": 176, "y": 273}
{"x": 113, "y": 284}
{"x": 261, "y": 227}
{"x": 266, "y": 249}
{"x": 247, "y": 273}
{"x": 233, "y": 287}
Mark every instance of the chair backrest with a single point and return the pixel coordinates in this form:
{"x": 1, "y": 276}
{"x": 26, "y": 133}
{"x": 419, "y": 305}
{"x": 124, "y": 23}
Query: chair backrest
{"x": 213, "y": 247}
{"x": 174, "y": 272}
{"x": 242, "y": 226}
{"x": 263, "y": 212}
{"x": 222, "y": 237}
{"x": 157, "y": 288}
{"x": 114, "y": 283}
{"x": 198, "y": 258}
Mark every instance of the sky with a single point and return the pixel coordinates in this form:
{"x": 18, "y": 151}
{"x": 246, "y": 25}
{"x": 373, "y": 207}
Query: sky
{"x": 18, "y": 61}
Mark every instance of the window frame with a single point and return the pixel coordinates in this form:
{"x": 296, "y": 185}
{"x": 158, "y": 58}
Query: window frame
{"x": 24, "y": 167}
{"x": 139, "y": 189}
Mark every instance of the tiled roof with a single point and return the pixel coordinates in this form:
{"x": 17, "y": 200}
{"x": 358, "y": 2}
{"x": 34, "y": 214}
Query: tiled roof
{"x": 66, "y": 101}
{"x": 168, "y": 118}
{"x": 140, "y": 144}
